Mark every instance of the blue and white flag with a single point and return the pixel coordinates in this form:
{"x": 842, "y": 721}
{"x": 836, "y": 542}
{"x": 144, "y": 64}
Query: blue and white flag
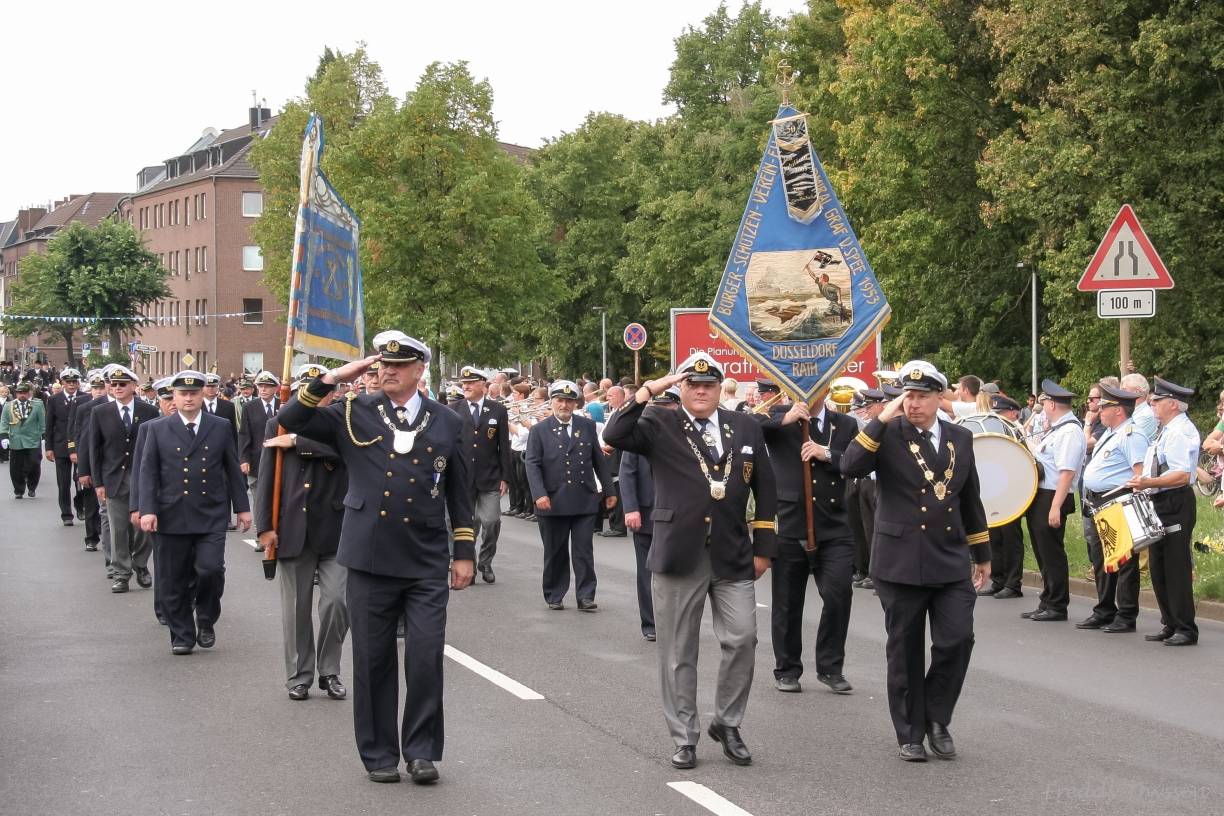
{"x": 326, "y": 303}
{"x": 798, "y": 297}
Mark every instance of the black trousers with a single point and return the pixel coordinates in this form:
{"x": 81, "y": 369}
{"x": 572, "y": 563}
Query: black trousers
{"x": 861, "y": 500}
{"x": 641, "y": 548}
{"x": 93, "y": 516}
{"x": 25, "y": 468}
{"x": 376, "y": 603}
{"x": 1117, "y": 592}
{"x": 832, "y": 565}
{"x": 1171, "y": 561}
{"x": 917, "y": 694}
{"x": 64, "y": 484}
{"x": 1050, "y": 550}
{"x": 181, "y": 560}
{"x": 520, "y": 496}
{"x": 561, "y": 535}
{"x": 1007, "y": 556}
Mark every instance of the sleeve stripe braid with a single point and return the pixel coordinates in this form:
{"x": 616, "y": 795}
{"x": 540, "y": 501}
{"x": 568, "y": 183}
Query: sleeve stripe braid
{"x": 763, "y": 524}
{"x": 308, "y": 399}
{"x": 979, "y": 538}
{"x": 867, "y": 442}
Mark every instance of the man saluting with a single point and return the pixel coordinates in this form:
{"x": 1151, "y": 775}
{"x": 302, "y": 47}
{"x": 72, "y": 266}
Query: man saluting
{"x": 929, "y": 524}
{"x": 705, "y": 462}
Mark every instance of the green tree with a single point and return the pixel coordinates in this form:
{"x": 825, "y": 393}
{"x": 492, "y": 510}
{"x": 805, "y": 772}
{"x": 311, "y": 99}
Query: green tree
{"x": 102, "y": 272}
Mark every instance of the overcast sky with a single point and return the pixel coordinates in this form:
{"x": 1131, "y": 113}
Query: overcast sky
{"x": 100, "y": 90}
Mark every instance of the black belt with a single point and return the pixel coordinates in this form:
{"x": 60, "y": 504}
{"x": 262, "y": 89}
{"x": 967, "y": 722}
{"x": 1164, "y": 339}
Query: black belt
{"x": 1108, "y": 495}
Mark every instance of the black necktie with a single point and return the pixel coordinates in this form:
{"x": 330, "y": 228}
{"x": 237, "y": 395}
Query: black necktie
{"x": 268, "y": 408}
{"x": 127, "y": 418}
{"x": 707, "y": 436}
{"x": 565, "y": 429}
{"x": 191, "y": 428}
{"x": 928, "y": 447}
{"x": 475, "y": 413}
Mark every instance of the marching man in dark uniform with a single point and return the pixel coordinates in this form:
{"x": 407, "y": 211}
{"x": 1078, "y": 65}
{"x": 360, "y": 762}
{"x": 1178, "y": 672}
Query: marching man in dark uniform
{"x": 111, "y": 439}
{"x": 97, "y": 526}
{"x": 832, "y": 562}
{"x": 1116, "y": 458}
{"x": 487, "y": 428}
{"x": 637, "y": 491}
{"x": 59, "y": 417}
{"x": 706, "y": 462}
{"x": 930, "y": 524}
{"x": 223, "y": 408}
{"x": 189, "y": 480}
{"x": 1168, "y": 469}
{"x": 568, "y": 475}
{"x": 406, "y": 468}
{"x": 313, "y": 484}
{"x": 165, "y": 404}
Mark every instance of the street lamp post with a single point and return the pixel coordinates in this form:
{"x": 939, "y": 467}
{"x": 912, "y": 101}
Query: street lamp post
{"x": 603, "y": 336}
{"x": 1033, "y": 292}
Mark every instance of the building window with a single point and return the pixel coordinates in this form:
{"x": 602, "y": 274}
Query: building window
{"x": 252, "y": 205}
{"x": 186, "y": 211}
{"x": 252, "y": 259}
{"x": 204, "y": 258}
{"x": 203, "y": 206}
{"x": 252, "y": 362}
{"x": 205, "y": 311}
{"x": 252, "y": 311}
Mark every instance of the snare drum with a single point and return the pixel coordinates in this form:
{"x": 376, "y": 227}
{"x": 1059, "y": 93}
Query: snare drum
{"x": 1127, "y": 525}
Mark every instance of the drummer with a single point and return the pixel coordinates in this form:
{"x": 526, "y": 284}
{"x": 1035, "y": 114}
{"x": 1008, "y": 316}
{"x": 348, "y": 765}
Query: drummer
{"x": 1168, "y": 469}
{"x": 1061, "y": 456}
{"x": 1006, "y": 540}
{"x": 1116, "y": 458}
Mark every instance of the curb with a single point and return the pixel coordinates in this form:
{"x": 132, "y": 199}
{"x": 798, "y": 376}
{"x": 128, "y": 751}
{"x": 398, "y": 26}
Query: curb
{"x": 1083, "y": 588}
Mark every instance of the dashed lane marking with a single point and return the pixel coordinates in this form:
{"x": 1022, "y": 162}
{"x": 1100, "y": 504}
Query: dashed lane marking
{"x": 492, "y": 675}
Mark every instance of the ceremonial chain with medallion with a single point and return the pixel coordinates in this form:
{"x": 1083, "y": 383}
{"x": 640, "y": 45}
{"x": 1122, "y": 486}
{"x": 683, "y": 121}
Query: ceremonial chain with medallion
{"x": 718, "y": 490}
{"x": 402, "y": 441}
{"x": 940, "y": 488}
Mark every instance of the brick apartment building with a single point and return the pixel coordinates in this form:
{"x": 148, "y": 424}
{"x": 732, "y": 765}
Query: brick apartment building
{"x": 28, "y": 233}
{"x": 195, "y": 212}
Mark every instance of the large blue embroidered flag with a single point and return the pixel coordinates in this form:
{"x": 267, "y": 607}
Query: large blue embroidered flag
{"x": 327, "y": 313}
{"x": 798, "y": 297}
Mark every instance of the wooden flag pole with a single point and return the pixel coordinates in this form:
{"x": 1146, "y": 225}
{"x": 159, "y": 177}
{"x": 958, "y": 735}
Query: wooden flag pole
{"x": 299, "y": 227}
{"x": 810, "y": 546}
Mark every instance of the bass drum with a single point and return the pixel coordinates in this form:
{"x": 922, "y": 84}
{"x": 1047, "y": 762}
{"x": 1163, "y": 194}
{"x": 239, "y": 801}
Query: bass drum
{"x": 1007, "y": 471}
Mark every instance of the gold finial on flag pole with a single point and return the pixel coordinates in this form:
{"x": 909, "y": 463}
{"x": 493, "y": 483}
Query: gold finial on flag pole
{"x": 786, "y": 80}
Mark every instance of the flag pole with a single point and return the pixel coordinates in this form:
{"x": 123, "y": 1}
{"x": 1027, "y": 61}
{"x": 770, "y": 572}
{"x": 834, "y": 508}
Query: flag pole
{"x": 309, "y": 152}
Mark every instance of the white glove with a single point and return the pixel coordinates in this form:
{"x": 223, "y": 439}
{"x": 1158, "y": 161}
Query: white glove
{"x": 4, "y": 443}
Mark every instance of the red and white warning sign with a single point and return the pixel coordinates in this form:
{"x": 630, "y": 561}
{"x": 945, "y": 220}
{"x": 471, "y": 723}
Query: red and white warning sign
{"x": 1125, "y": 259}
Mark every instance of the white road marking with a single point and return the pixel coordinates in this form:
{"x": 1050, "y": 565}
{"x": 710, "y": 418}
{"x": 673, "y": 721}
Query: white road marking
{"x": 492, "y": 675}
{"x": 762, "y": 606}
{"x": 252, "y": 543}
{"x": 708, "y": 799}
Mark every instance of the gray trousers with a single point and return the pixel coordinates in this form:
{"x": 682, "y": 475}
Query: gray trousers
{"x": 297, "y": 606}
{"x": 679, "y": 601}
{"x": 252, "y": 481}
{"x": 486, "y": 512}
{"x": 104, "y": 530}
{"x": 130, "y": 546}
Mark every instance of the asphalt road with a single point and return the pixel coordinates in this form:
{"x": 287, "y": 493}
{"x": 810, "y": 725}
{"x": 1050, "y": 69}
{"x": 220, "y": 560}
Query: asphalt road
{"x": 100, "y": 718}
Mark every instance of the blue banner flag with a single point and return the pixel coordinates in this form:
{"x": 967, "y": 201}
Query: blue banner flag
{"x": 798, "y": 297}
{"x": 326, "y": 311}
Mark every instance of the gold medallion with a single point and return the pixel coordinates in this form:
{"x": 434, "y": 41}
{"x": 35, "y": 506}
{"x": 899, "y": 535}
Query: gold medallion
{"x": 718, "y": 491}
{"x": 928, "y": 475}
{"x": 941, "y": 490}
{"x": 913, "y": 447}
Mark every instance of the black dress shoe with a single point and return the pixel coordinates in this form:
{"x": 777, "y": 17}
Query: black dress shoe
{"x": 613, "y": 534}
{"x": 1163, "y": 634}
{"x": 1180, "y": 639}
{"x": 556, "y": 605}
{"x": 1031, "y": 613}
{"x": 487, "y": 575}
{"x": 940, "y": 741}
{"x": 207, "y": 638}
{"x": 867, "y": 583}
{"x": 733, "y": 747}
{"x": 120, "y": 585}
{"x": 1093, "y": 622}
{"x": 790, "y": 685}
{"x": 91, "y": 546}
{"x": 1007, "y": 592}
{"x": 1118, "y": 626}
{"x": 856, "y": 577}
{"x": 332, "y": 685}
{"x": 162, "y": 620}
{"x": 987, "y": 590}
{"x": 181, "y": 650}
{"x": 837, "y": 682}
{"x": 587, "y": 606}
{"x": 391, "y": 774}
{"x": 649, "y": 636}
{"x": 913, "y": 752}
{"x": 1047, "y": 615}
{"x": 685, "y": 757}
{"x": 143, "y": 578}
{"x": 299, "y": 692}
{"x": 531, "y": 517}
{"x": 422, "y": 771}
{"x": 30, "y": 492}
{"x": 67, "y": 522}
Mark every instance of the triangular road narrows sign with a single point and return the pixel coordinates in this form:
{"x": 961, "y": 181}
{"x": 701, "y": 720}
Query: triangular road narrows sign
{"x": 1125, "y": 259}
